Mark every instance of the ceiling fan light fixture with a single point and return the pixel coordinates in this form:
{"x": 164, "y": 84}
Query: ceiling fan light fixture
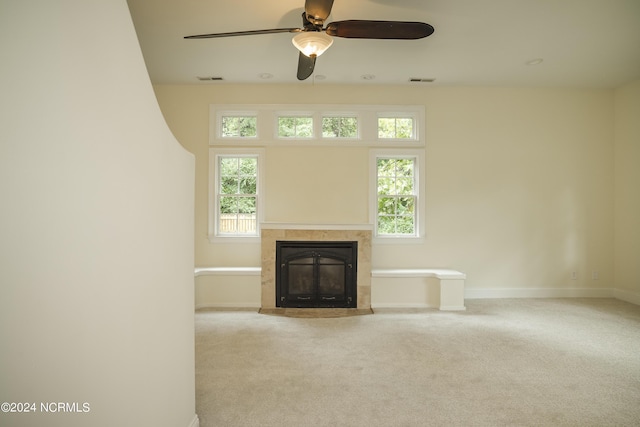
{"x": 312, "y": 43}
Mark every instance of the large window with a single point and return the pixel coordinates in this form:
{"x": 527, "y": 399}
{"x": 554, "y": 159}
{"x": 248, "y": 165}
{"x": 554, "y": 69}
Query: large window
{"x": 396, "y": 196}
{"x": 235, "y": 201}
{"x": 396, "y": 193}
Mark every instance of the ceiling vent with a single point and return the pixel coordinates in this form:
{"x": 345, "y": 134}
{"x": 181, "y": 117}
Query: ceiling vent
{"x": 207, "y": 79}
{"x": 416, "y": 80}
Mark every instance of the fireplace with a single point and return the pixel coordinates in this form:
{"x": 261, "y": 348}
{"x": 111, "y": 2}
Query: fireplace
{"x": 316, "y": 274}
{"x": 271, "y": 233}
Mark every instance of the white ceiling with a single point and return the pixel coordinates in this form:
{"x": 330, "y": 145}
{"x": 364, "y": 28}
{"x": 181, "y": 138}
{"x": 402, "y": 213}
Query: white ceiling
{"x": 583, "y": 43}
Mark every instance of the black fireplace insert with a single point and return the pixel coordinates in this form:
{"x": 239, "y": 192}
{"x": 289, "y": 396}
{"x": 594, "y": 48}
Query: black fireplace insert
{"x": 316, "y": 274}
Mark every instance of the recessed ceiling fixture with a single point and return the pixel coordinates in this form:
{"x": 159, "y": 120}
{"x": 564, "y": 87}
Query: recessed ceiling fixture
{"x": 312, "y": 43}
{"x": 421, "y": 80}
{"x": 367, "y": 77}
{"x": 204, "y": 79}
{"x": 535, "y": 61}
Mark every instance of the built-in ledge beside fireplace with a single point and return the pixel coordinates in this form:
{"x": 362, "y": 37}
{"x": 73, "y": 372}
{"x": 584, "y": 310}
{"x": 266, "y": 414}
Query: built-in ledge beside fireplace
{"x": 273, "y": 233}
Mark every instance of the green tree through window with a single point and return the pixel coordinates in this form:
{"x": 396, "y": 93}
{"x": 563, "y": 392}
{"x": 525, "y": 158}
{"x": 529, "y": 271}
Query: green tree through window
{"x": 239, "y": 126}
{"x": 396, "y": 196}
{"x": 395, "y": 127}
{"x": 237, "y": 195}
{"x": 295, "y": 127}
{"x": 339, "y": 127}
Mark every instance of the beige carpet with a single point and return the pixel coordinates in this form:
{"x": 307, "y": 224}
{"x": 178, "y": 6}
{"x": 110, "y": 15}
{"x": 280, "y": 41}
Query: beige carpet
{"x": 509, "y": 362}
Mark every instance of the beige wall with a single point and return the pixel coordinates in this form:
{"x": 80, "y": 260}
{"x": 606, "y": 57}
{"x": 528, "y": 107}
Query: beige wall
{"x": 519, "y": 181}
{"x": 627, "y": 190}
{"x": 96, "y": 225}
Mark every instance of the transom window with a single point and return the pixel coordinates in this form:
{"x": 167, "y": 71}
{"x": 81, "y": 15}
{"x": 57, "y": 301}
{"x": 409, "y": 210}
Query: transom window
{"x": 295, "y": 127}
{"x": 317, "y": 124}
{"x": 339, "y": 127}
{"x": 395, "y": 128}
{"x": 239, "y": 127}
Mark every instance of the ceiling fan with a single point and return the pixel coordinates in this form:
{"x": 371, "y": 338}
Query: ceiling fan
{"x": 313, "y": 39}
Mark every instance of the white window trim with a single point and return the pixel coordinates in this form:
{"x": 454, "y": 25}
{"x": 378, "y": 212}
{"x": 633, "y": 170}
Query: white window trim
{"x": 267, "y": 125}
{"x": 419, "y": 154}
{"x": 214, "y": 152}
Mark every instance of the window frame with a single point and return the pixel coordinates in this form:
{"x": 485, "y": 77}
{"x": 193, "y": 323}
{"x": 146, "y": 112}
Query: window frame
{"x": 215, "y": 153}
{"x": 419, "y": 181}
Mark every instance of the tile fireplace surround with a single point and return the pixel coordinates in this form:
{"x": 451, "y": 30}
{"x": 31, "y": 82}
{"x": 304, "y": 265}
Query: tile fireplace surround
{"x": 301, "y": 232}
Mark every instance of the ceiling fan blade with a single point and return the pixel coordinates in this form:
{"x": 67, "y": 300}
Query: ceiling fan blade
{"x": 245, "y": 33}
{"x": 306, "y": 65}
{"x": 317, "y": 10}
{"x": 399, "y": 30}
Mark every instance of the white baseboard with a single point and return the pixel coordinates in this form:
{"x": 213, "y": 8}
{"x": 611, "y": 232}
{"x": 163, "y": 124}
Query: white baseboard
{"x": 195, "y": 422}
{"x": 628, "y": 296}
{"x": 539, "y": 293}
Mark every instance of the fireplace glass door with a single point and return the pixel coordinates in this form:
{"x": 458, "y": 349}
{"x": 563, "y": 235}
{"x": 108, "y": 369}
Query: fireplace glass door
{"x": 316, "y": 274}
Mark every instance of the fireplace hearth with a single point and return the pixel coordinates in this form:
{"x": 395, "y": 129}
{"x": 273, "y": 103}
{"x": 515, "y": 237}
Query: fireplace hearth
{"x": 316, "y": 274}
